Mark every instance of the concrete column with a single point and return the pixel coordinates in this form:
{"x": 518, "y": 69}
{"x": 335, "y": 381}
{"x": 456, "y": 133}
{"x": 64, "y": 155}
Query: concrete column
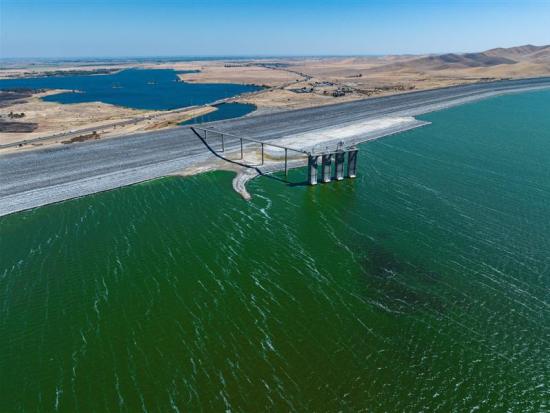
{"x": 339, "y": 165}
{"x": 312, "y": 169}
{"x": 327, "y": 168}
{"x": 352, "y": 163}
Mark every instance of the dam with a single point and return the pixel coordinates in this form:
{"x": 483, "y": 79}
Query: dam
{"x": 32, "y": 178}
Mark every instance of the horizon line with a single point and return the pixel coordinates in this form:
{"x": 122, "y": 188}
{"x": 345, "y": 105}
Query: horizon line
{"x": 249, "y": 56}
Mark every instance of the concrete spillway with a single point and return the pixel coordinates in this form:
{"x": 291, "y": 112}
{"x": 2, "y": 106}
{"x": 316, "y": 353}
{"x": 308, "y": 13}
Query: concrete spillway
{"x": 312, "y": 166}
{"x": 352, "y": 163}
{"x": 32, "y": 178}
{"x": 327, "y": 168}
{"x": 339, "y": 159}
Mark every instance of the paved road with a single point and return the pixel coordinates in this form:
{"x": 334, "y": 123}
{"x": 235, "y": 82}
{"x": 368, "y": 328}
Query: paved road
{"x": 34, "y": 178}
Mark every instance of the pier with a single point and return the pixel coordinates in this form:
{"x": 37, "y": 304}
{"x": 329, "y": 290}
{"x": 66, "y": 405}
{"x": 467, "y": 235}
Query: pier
{"x": 205, "y": 133}
{"x": 216, "y": 141}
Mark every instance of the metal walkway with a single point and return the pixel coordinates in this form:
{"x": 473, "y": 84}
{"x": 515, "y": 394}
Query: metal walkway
{"x": 339, "y": 152}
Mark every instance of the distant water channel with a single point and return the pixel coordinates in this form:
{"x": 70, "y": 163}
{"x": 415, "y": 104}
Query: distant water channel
{"x": 422, "y": 285}
{"x": 151, "y": 89}
{"x": 223, "y": 111}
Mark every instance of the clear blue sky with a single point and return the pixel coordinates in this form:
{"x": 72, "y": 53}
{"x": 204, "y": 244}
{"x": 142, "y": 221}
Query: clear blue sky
{"x": 80, "y": 28}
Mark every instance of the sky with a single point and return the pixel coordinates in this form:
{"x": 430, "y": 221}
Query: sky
{"x": 134, "y": 28}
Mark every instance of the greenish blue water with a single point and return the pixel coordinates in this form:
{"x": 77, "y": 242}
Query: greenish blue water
{"x": 151, "y": 89}
{"x": 422, "y": 285}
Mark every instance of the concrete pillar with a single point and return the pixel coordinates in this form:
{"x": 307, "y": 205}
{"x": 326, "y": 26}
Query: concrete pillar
{"x": 312, "y": 169}
{"x": 327, "y": 168}
{"x": 339, "y": 165}
{"x": 352, "y": 163}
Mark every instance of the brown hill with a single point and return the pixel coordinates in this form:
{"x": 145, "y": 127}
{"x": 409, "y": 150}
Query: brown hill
{"x": 448, "y": 61}
{"x": 469, "y": 61}
{"x": 525, "y": 52}
{"x": 451, "y": 60}
{"x": 541, "y": 56}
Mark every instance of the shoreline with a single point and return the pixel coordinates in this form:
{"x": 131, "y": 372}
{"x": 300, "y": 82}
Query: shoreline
{"x": 56, "y": 120}
{"x": 193, "y": 166}
{"x": 59, "y": 174}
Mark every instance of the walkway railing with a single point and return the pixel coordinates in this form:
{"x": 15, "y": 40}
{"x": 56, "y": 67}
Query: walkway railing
{"x": 206, "y": 132}
{"x": 339, "y": 151}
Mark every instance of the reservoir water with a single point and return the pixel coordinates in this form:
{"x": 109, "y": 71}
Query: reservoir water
{"x": 151, "y": 89}
{"x": 223, "y": 111}
{"x": 422, "y": 285}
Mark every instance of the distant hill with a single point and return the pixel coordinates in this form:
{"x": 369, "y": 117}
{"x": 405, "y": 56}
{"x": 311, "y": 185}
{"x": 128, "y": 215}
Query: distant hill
{"x": 446, "y": 61}
{"x": 520, "y": 52}
{"x": 489, "y": 58}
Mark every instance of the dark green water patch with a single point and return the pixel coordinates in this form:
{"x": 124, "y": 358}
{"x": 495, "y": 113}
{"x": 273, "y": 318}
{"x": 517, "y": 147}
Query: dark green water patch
{"x": 401, "y": 287}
